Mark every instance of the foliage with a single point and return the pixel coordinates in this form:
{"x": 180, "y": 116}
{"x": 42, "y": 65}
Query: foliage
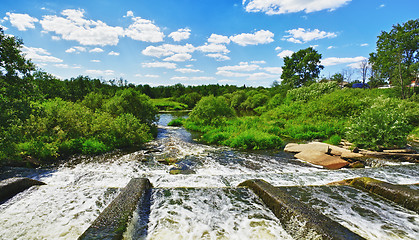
{"x": 301, "y": 68}
{"x": 210, "y": 110}
{"x": 380, "y": 126}
{"x": 165, "y": 104}
{"x": 313, "y": 91}
{"x": 177, "y": 122}
{"x": 397, "y": 55}
{"x": 131, "y": 101}
{"x": 334, "y": 140}
{"x": 190, "y": 99}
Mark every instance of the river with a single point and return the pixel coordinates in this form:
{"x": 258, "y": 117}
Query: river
{"x": 205, "y": 204}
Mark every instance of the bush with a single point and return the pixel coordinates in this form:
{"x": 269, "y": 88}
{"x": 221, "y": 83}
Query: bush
{"x": 313, "y": 91}
{"x": 385, "y": 124}
{"x": 211, "y": 110}
{"x": 94, "y": 146}
{"x": 177, "y": 122}
{"x": 334, "y": 140}
{"x": 254, "y": 139}
{"x": 129, "y": 131}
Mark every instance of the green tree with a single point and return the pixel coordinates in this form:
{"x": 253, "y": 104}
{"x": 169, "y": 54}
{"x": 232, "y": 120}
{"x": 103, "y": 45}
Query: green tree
{"x": 338, "y": 77}
{"x": 397, "y": 55}
{"x": 302, "y": 68}
{"x": 210, "y": 110}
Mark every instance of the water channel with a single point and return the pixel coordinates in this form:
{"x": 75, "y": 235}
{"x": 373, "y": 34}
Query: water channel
{"x": 204, "y": 204}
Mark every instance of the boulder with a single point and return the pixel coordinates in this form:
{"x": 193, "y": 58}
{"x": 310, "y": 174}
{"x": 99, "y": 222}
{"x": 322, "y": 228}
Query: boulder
{"x": 352, "y": 156}
{"x": 314, "y": 146}
{"x": 12, "y": 186}
{"x": 322, "y": 159}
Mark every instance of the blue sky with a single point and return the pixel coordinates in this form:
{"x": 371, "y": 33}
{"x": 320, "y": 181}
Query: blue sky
{"x": 193, "y": 42}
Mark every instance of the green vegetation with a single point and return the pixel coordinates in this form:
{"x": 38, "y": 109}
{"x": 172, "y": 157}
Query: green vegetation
{"x": 177, "y": 122}
{"x": 165, "y": 104}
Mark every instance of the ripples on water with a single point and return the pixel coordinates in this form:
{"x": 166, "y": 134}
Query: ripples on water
{"x": 77, "y": 192}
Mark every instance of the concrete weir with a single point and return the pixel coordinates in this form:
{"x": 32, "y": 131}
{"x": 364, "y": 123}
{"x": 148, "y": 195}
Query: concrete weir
{"x": 297, "y": 218}
{"x": 12, "y": 186}
{"x": 113, "y": 221}
{"x": 402, "y": 195}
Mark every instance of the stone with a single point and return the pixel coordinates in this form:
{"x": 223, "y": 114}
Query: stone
{"x": 356, "y": 164}
{"x": 314, "y": 146}
{"x": 322, "y": 159}
{"x": 12, "y": 186}
{"x": 352, "y": 156}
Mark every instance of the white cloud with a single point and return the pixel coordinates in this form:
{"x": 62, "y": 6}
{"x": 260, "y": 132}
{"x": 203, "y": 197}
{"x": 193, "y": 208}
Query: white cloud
{"x": 259, "y": 37}
{"x": 335, "y": 60}
{"x": 382, "y": 5}
{"x": 218, "y": 56}
{"x": 203, "y": 78}
{"x": 129, "y": 14}
{"x": 180, "y": 34}
{"x": 179, "y": 57}
{"x": 61, "y": 65}
{"x": 242, "y": 67}
{"x": 167, "y": 50}
{"x": 151, "y": 76}
{"x": 285, "y": 53}
{"x": 213, "y": 48}
{"x": 76, "y": 49}
{"x": 187, "y": 70}
{"x": 21, "y": 21}
{"x": 55, "y": 38}
{"x": 278, "y": 48}
{"x": 112, "y": 53}
{"x": 100, "y": 72}
{"x": 260, "y": 75}
{"x": 75, "y": 27}
{"x": 168, "y": 65}
{"x": 39, "y": 55}
{"x": 274, "y": 70}
{"x": 331, "y": 47}
{"x": 225, "y": 73}
{"x": 218, "y": 39}
{"x": 3, "y": 27}
{"x": 272, "y": 7}
{"x": 364, "y": 45}
{"x": 301, "y": 35}
{"x": 95, "y": 61}
{"x": 96, "y": 50}
{"x": 143, "y": 30}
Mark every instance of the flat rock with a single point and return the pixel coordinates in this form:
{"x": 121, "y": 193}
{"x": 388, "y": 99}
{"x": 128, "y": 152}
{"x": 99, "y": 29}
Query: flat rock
{"x": 314, "y": 146}
{"x": 322, "y": 159}
{"x": 351, "y": 155}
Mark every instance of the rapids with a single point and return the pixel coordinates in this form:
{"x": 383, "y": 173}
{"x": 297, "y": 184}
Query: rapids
{"x": 204, "y": 205}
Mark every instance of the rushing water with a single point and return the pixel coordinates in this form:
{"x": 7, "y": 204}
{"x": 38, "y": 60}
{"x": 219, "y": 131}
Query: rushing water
{"x": 203, "y": 205}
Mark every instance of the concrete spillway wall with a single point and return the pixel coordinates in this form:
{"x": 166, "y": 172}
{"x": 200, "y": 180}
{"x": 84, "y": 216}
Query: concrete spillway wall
{"x": 297, "y": 218}
{"x": 113, "y": 221}
{"x": 12, "y": 186}
{"x": 402, "y": 195}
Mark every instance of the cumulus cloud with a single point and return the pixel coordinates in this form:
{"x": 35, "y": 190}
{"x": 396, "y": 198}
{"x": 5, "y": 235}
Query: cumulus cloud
{"x": 179, "y": 57}
{"x": 73, "y": 26}
{"x": 187, "y": 70}
{"x": 274, "y": 70}
{"x": 39, "y": 55}
{"x": 260, "y": 75}
{"x": 259, "y": 37}
{"x": 151, "y": 76}
{"x": 285, "y": 53}
{"x": 100, "y": 72}
{"x": 218, "y": 39}
{"x": 180, "y": 34}
{"x": 143, "y": 30}
{"x": 167, "y": 50}
{"x": 213, "y": 48}
{"x": 258, "y": 62}
{"x": 95, "y": 61}
{"x": 330, "y": 47}
{"x": 335, "y": 60}
{"x": 76, "y": 49}
{"x": 96, "y": 50}
{"x": 168, "y": 65}
{"x": 203, "y": 78}
{"x": 364, "y": 45}
{"x": 21, "y": 21}
{"x": 218, "y": 56}
{"x": 273, "y": 7}
{"x": 242, "y": 67}
{"x": 60, "y": 65}
{"x": 301, "y": 35}
{"x": 112, "y": 53}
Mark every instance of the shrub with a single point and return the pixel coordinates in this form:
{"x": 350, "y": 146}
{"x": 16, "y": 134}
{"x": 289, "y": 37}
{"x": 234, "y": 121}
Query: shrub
{"x": 334, "y": 140}
{"x": 177, "y": 122}
{"x": 94, "y": 146}
{"x": 129, "y": 131}
{"x": 313, "y": 91}
{"x": 385, "y": 124}
{"x": 210, "y": 110}
{"x": 38, "y": 149}
{"x": 254, "y": 139}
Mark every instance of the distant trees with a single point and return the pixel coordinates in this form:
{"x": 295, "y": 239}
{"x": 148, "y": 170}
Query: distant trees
{"x": 301, "y": 68}
{"x": 397, "y": 55}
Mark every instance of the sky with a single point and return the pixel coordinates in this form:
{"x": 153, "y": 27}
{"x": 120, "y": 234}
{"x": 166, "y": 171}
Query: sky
{"x": 195, "y": 42}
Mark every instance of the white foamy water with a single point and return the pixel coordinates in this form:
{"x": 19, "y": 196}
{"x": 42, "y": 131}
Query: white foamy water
{"x": 76, "y": 193}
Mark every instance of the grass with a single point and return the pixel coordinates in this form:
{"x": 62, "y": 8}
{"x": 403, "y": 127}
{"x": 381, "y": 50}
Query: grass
{"x": 165, "y": 104}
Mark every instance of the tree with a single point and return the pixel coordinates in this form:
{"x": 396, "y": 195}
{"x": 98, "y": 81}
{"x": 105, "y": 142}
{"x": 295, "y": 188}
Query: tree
{"x": 337, "y": 77}
{"x": 397, "y": 52}
{"x": 364, "y": 68}
{"x": 302, "y": 68}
